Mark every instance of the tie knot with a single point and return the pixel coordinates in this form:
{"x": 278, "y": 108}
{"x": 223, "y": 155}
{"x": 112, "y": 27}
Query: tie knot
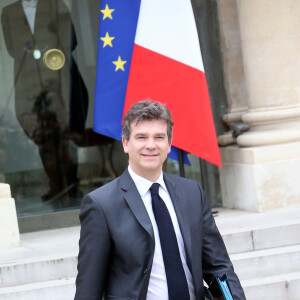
{"x": 154, "y": 189}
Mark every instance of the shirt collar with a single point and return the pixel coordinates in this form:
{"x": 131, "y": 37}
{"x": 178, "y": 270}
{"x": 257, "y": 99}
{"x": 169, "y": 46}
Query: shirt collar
{"x": 143, "y": 185}
{"x": 32, "y": 3}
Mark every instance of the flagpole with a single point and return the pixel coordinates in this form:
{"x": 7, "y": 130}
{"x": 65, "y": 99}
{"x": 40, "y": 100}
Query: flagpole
{"x": 181, "y": 163}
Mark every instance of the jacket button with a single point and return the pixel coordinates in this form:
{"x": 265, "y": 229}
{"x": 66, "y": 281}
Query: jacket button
{"x": 145, "y": 271}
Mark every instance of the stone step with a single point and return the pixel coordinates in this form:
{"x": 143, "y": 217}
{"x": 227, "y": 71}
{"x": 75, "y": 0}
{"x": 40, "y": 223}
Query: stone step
{"x": 262, "y": 247}
{"x": 44, "y": 255}
{"x": 269, "y": 262}
{"x": 63, "y": 289}
{"x": 39, "y": 269}
{"x": 261, "y": 238}
{"x": 284, "y": 287}
{"x": 244, "y": 231}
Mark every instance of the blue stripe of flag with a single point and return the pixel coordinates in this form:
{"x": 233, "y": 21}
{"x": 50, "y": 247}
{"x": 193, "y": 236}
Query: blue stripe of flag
{"x": 110, "y": 84}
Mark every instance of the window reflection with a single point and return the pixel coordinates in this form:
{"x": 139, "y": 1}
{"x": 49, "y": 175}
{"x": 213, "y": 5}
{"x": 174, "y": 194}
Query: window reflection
{"x": 50, "y": 105}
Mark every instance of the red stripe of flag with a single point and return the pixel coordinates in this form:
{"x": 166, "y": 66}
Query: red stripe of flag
{"x": 184, "y": 90}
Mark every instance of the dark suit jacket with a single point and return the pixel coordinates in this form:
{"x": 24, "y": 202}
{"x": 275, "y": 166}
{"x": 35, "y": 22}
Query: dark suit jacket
{"x": 117, "y": 241}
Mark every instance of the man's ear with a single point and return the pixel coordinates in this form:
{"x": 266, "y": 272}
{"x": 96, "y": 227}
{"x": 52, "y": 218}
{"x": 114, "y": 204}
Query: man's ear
{"x": 170, "y": 143}
{"x": 125, "y": 145}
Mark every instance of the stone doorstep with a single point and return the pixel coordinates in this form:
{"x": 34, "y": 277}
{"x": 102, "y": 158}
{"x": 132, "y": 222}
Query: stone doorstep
{"x": 283, "y": 286}
{"x": 63, "y": 289}
{"x": 41, "y": 269}
{"x": 235, "y": 221}
{"x": 246, "y": 231}
{"x": 264, "y": 263}
{"x": 248, "y": 265}
{"x": 53, "y": 243}
{"x": 44, "y": 255}
{"x": 262, "y": 238}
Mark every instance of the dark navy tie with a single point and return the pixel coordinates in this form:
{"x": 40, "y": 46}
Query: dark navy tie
{"x": 176, "y": 280}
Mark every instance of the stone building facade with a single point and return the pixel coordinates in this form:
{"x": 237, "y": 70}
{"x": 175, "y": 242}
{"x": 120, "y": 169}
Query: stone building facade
{"x": 260, "y": 42}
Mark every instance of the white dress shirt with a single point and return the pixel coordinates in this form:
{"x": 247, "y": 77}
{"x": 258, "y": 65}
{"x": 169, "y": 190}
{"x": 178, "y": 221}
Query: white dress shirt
{"x": 158, "y": 288}
{"x": 30, "y": 10}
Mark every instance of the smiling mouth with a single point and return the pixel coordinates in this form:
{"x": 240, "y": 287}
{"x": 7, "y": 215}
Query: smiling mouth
{"x": 149, "y": 155}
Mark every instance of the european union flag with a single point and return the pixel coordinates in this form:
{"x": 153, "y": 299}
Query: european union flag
{"x": 117, "y": 28}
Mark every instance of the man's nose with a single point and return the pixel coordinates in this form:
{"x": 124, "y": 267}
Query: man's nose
{"x": 151, "y": 144}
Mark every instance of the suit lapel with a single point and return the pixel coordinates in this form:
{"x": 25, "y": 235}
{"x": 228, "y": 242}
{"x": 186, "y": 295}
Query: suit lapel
{"x": 46, "y": 21}
{"x": 39, "y": 15}
{"x": 22, "y": 16}
{"x": 180, "y": 206}
{"x": 135, "y": 202}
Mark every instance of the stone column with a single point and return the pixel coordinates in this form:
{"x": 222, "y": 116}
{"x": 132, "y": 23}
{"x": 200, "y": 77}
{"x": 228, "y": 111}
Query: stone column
{"x": 233, "y": 68}
{"x": 270, "y": 33}
{"x": 262, "y": 171}
{"x": 9, "y": 229}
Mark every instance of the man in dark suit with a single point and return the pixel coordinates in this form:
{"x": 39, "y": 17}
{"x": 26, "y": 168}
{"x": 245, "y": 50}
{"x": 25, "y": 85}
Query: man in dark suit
{"x": 148, "y": 234}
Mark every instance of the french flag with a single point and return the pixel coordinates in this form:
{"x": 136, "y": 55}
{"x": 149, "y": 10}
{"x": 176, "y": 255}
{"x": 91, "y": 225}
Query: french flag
{"x": 150, "y": 49}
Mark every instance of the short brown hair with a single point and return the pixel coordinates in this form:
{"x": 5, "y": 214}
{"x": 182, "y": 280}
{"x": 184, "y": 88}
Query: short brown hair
{"x": 147, "y": 110}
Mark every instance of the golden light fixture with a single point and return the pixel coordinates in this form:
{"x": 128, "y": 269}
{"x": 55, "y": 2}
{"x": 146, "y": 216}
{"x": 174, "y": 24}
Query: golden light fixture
{"x": 54, "y": 59}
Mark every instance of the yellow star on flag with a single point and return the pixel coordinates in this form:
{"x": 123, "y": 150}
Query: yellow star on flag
{"x": 107, "y": 12}
{"x": 119, "y": 64}
{"x": 107, "y": 40}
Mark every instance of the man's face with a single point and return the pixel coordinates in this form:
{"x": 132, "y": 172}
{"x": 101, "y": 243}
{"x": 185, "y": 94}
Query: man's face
{"x": 147, "y": 147}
